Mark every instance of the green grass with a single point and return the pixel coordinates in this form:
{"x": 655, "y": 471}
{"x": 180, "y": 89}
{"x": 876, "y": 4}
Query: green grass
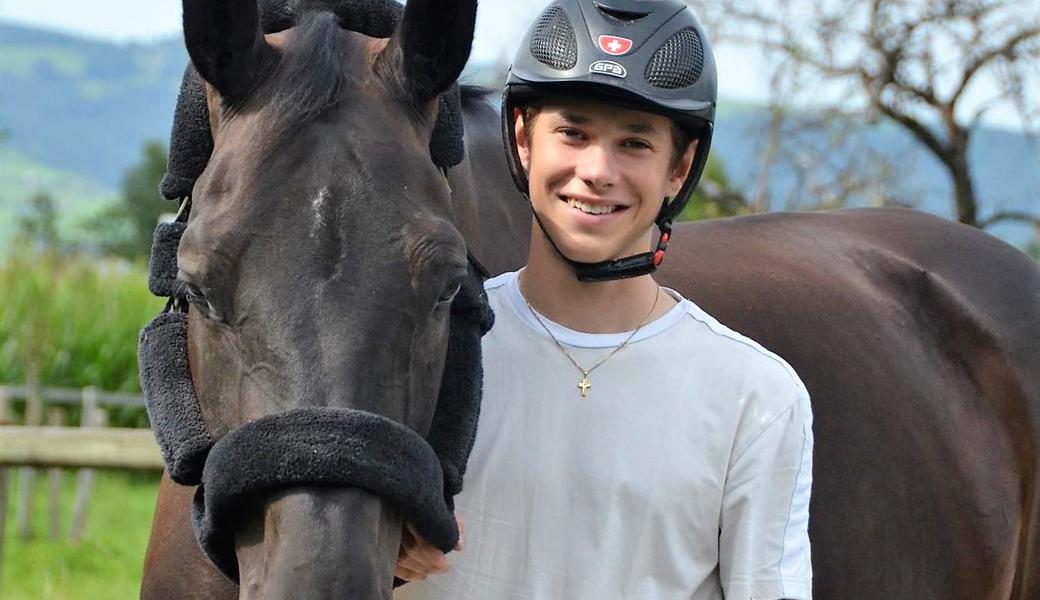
{"x": 105, "y": 565}
{"x": 76, "y": 319}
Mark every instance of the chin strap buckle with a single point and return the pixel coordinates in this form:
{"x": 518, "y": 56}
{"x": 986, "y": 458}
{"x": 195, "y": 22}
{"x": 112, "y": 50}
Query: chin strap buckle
{"x": 662, "y": 243}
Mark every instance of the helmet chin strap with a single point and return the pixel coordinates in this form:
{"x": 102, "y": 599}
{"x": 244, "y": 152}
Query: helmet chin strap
{"x": 619, "y": 268}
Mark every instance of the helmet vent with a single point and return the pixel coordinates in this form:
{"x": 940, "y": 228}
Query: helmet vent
{"x": 553, "y": 42}
{"x": 621, "y": 15}
{"x": 678, "y": 62}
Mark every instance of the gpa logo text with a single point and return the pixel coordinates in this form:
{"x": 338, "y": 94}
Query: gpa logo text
{"x": 608, "y": 67}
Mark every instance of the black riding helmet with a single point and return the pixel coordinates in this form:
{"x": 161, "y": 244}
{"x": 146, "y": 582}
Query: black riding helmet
{"x": 649, "y": 55}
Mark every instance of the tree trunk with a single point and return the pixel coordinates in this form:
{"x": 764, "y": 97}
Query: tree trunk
{"x": 964, "y": 190}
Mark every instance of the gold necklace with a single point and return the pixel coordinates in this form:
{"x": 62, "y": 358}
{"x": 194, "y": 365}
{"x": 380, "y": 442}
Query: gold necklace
{"x": 584, "y": 385}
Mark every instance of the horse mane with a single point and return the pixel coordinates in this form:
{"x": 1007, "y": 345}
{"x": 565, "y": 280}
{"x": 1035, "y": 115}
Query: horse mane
{"x": 473, "y": 95}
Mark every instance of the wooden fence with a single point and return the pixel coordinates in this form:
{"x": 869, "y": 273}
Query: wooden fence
{"x": 53, "y": 446}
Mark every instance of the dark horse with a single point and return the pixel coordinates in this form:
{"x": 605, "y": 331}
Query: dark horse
{"x": 323, "y": 241}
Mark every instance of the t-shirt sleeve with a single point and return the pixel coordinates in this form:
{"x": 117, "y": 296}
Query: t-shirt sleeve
{"x": 764, "y": 536}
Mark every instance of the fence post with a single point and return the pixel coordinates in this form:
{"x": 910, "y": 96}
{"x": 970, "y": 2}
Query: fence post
{"x": 27, "y": 475}
{"x": 92, "y": 416}
{"x": 55, "y": 418}
{"x": 4, "y": 418}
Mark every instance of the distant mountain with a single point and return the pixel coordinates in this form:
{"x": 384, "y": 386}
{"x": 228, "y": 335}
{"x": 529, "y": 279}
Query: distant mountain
{"x": 83, "y": 105}
{"x": 80, "y": 111}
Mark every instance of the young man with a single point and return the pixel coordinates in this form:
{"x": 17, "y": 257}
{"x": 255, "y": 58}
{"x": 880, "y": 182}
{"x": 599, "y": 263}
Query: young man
{"x": 629, "y": 445}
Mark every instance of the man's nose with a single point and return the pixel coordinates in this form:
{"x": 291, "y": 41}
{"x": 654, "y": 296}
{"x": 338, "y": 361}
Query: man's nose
{"x": 596, "y": 167}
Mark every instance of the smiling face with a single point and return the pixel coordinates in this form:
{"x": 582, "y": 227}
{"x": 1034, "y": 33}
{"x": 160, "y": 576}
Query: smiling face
{"x": 598, "y": 174}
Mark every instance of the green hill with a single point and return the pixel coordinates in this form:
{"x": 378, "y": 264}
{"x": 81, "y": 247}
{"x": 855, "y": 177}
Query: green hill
{"x": 76, "y": 195}
{"x": 82, "y": 105}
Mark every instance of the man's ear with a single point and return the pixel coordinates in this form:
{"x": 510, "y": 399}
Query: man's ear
{"x": 523, "y": 144}
{"x": 682, "y": 169}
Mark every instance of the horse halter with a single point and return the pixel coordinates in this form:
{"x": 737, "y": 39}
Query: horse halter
{"x": 310, "y": 445}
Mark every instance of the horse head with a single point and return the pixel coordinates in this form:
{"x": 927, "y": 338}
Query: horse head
{"x": 321, "y": 262}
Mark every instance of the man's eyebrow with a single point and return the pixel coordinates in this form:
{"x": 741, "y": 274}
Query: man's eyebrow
{"x": 640, "y": 127}
{"x": 637, "y": 127}
{"x": 575, "y": 118}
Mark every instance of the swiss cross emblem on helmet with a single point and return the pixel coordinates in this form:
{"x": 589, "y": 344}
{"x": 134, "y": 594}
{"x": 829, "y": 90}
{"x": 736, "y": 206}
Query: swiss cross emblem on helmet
{"x": 614, "y": 45}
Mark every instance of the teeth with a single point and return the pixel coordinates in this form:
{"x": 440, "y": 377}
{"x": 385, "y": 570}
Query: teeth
{"x": 591, "y": 208}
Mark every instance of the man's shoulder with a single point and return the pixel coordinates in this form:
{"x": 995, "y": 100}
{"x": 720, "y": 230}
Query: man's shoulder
{"x": 498, "y": 282}
{"x": 763, "y": 368}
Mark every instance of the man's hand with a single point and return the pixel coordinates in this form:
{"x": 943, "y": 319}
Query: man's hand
{"x": 418, "y": 559}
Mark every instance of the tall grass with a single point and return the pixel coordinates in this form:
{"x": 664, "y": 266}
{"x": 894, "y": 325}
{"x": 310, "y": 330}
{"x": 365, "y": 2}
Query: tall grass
{"x": 107, "y": 564}
{"x": 72, "y": 321}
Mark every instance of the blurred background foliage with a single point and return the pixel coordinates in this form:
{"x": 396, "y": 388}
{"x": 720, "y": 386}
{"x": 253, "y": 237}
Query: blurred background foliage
{"x": 75, "y": 299}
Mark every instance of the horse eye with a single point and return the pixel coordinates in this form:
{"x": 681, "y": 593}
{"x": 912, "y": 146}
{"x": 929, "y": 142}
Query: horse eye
{"x": 450, "y": 294}
{"x": 194, "y": 295}
{"x": 197, "y": 298}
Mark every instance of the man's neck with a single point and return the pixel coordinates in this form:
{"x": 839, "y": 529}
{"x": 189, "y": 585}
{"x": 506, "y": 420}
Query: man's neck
{"x": 548, "y": 283}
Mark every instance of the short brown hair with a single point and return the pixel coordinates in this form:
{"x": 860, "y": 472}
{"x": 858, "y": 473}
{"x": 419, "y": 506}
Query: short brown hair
{"x": 681, "y": 138}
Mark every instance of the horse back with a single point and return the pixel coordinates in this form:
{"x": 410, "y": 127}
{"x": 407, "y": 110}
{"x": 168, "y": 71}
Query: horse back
{"x": 919, "y": 341}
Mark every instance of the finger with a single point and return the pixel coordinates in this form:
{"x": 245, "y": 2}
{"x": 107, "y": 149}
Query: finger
{"x": 425, "y": 561}
{"x": 408, "y": 574}
{"x": 462, "y": 532}
{"x": 426, "y": 555}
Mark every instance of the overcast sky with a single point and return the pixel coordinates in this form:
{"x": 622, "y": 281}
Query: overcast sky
{"x": 500, "y": 24}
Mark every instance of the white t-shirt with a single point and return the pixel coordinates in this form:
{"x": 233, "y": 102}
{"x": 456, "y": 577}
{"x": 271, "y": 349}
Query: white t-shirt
{"x": 684, "y": 474}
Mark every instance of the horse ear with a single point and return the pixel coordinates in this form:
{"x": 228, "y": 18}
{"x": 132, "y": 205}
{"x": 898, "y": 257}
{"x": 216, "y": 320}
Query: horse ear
{"x": 226, "y": 44}
{"x": 431, "y": 45}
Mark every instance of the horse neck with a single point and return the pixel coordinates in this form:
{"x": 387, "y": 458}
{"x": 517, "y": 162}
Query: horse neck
{"x": 491, "y": 214}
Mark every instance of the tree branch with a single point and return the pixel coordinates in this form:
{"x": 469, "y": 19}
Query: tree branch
{"x": 922, "y": 133}
{"x": 1007, "y": 49}
{"x": 1019, "y": 216}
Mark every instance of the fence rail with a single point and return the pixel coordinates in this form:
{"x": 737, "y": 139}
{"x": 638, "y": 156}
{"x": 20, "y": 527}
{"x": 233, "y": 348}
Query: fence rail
{"x": 74, "y": 448}
{"x": 31, "y": 445}
{"x": 71, "y": 396}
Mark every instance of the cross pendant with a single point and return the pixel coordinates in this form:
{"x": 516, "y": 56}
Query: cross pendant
{"x": 585, "y": 385}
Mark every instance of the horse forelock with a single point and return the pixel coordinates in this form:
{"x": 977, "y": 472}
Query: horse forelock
{"x": 312, "y": 75}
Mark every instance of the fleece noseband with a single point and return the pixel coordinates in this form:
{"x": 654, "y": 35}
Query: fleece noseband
{"x": 312, "y": 446}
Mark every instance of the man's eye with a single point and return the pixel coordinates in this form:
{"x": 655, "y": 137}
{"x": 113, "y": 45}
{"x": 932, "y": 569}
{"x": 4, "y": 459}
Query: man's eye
{"x": 571, "y": 133}
{"x": 637, "y": 144}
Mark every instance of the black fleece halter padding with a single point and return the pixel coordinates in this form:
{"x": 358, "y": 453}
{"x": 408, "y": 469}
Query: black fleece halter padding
{"x": 374, "y": 18}
{"x": 319, "y": 446}
{"x": 191, "y": 142}
{"x": 162, "y": 265}
{"x": 454, "y": 427}
{"x": 173, "y": 410}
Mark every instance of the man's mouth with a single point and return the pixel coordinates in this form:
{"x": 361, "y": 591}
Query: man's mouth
{"x": 591, "y": 209}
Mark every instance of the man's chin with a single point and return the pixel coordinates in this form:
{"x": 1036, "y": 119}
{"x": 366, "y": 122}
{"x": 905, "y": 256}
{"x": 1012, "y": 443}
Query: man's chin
{"x": 589, "y": 255}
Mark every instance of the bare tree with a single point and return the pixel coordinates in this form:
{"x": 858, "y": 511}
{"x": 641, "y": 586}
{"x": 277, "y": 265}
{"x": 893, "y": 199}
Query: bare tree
{"x": 935, "y": 68}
